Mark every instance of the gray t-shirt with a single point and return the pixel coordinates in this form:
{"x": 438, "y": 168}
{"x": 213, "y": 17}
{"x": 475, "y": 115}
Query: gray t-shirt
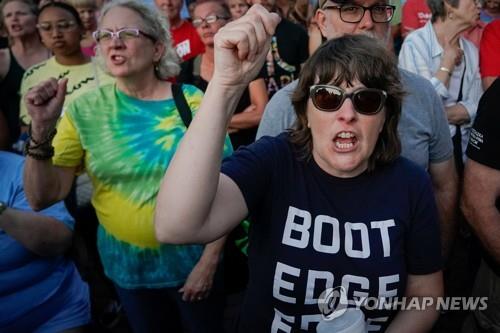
{"x": 423, "y": 128}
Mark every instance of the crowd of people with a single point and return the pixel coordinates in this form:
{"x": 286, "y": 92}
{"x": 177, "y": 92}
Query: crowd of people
{"x": 217, "y": 165}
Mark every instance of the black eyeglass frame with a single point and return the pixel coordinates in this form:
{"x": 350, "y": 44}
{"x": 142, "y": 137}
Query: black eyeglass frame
{"x": 339, "y": 8}
{"x": 344, "y": 95}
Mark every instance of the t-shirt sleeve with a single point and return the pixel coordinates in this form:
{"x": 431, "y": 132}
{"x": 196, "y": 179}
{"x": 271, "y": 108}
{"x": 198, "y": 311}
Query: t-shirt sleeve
{"x": 67, "y": 145}
{"x": 279, "y": 114}
{"x": 251, "y": 167}
{"x": 484, "y": 139}
{"x": 490, "y": 50}
{"x": 57, "y": 211}
{"x": 423, "y": 246}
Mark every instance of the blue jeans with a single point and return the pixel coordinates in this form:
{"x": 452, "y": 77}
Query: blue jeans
{"x": 163, "y": 310}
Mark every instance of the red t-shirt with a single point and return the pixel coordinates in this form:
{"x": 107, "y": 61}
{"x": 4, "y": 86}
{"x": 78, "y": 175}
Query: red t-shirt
{"x": 416, "y": 13}
{"x": 489, "y": 52}
{"x": 186, "y": 41}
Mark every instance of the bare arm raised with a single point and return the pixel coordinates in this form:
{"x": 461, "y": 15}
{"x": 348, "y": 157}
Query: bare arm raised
{"x": 44, "y": 183}
{"x": 200, "y": 204}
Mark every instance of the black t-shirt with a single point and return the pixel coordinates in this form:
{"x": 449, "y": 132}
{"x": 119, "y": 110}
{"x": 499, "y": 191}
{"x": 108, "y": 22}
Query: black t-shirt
{"x": 311, "y": 231}
{"x": 289, "y": 49}
{"x": 484, "y": 140}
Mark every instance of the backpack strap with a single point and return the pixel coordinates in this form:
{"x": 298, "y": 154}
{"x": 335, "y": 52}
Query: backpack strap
{"x": 181, "y": 104}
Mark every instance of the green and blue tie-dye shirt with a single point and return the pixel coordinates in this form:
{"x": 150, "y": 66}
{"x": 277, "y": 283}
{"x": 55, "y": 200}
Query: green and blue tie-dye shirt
{"x": 125, "y": 145}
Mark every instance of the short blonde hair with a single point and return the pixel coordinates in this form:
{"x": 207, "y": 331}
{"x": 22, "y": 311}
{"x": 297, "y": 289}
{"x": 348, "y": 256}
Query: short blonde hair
{"x": 154, "y": 25}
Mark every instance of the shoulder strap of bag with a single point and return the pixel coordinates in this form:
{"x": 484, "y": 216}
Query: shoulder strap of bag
{"x": 181, "y": 104}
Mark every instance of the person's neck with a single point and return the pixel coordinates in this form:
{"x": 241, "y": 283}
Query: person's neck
{"x": 209, "y": 54}
{"x": 29, "y": 44}
{"x": 449, "y": 29}
{"x": 176, "y": 22}
{"x": 78, "y": 58}
{"x": 143, "y": 86}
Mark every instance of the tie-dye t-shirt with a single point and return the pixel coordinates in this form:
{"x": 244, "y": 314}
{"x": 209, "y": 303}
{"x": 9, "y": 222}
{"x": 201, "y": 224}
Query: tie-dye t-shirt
{"x": 125, "y": 145}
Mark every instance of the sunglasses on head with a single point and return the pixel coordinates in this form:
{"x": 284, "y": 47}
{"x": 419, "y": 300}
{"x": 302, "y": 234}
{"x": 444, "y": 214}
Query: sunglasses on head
{"x": 368, "y": 101}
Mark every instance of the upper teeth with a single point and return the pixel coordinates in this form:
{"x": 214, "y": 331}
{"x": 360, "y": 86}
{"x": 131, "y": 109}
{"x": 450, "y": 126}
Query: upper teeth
{"x": 346, "y": 135}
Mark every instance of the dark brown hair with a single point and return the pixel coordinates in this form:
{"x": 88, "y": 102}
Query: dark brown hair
{"x": 344, "y": 60}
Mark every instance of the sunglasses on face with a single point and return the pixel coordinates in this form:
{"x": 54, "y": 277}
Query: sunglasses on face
{"x": 105, "y": 36}
{"x": 368, "y": 101}
{"x": 60, "y": 26}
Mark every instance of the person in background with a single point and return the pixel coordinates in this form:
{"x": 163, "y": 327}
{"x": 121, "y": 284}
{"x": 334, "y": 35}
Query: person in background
{"x": 416, "y": 13}
{"x": 490, "y": 10}
{"x": 210, "y": 16}
{"x": 238, "y": 8}
{"x": 481, "y": 207}
{"x": 489, "y": 54}
{"x": 423, "y": 129}
{"x": 451, "y": 63}
{"x": 87, "y": 9}
{"x": 186, "y": 40}
{"x": 313, "y": 190}
{"x": 123, "y": 135}
{"x": 61, "y": 30}
{"x": 289, "y": 49}
{"x": 25, "y": 50}
{"x": 41, "y": 290}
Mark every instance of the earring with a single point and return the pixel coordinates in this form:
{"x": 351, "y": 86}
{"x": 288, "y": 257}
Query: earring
{"x": 450, "y": 16}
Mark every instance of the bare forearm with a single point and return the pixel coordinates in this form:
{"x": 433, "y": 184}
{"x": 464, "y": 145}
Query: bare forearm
{"x": 457, "y": 114}
{"x": 41, "y": 183}
{"x": 246, "y": 119}
{"x": 212, "y": 252}
{"x": 187, "y": 193}
{"x": 446, "y": 200}
{"x": 414, "y": 321}
{"x": 40, "y": 234}
{"x": 486, "y": 223}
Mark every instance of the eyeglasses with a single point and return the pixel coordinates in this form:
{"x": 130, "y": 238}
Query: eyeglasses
{"x": 197, "y": 22}
{"x": 368, "y": 101}
{"x": 105, "y": 36}
{"x": 63, "y": 26}
{"x": 355, "y": 13}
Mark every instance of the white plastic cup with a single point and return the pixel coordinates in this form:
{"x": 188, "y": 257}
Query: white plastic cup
{"x": 352, "y": 321}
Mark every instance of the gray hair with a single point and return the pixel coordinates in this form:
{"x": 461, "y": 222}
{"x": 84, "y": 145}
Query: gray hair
{"x": 438, "y": 9}
{"x": 156, "y": 26}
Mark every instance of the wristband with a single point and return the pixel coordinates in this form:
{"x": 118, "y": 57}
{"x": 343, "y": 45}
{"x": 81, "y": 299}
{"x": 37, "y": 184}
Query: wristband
{"x": 445, "y": 69}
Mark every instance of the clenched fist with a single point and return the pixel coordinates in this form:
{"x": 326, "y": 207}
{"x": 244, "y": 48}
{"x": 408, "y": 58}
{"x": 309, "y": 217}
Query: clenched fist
{"x": 44, "y": 103}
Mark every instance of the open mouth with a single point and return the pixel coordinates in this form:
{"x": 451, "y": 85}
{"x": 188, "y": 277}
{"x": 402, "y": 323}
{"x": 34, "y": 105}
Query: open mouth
{"x": 117, "y": 59}
{"x": 345, "y": 140}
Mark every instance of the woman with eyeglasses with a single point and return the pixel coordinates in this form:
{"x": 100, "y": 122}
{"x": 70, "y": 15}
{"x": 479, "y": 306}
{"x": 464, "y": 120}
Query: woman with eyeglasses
{"x": 25, "y": 49}
{"x": 123, "y": 136}
{"x": 333, "y": 203}
{"x": 61, "y": 30}
{"x": 208, "y": 17}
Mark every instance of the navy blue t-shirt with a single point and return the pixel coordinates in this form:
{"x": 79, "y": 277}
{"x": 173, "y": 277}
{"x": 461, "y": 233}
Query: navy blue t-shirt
{"x": 311, "y": 231}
